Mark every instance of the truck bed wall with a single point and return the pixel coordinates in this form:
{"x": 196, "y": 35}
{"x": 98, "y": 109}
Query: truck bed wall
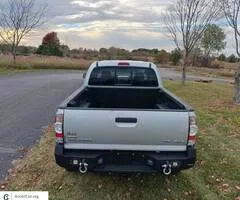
{"x": 128, "y": 98}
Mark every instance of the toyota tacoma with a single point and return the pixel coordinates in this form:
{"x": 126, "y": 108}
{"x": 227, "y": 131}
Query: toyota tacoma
{"x": 122, "y": 119}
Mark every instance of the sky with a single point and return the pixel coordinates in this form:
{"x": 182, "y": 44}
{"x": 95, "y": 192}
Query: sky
{"x": 94, "y": 24}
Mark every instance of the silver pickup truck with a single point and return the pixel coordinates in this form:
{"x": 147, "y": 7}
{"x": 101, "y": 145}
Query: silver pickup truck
{"x": 123, "y": 120}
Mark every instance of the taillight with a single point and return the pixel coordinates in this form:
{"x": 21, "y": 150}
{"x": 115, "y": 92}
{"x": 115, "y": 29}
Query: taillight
{"x": 59, "y": 126}
{"x": 124, "y": 64}
{"x": 193, "y": 129}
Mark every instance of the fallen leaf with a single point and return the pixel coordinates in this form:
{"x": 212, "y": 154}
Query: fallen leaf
{"x": 238, "y": 187}
{"x": 221, "y": 119}
{"x": 167, "y": 181}
{"x": 225, "y": 185}
{"x": 202, "y": 162}
{"x": 218, "y": 180}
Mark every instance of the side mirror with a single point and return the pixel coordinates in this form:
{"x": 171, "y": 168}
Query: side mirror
{"x": 84, "y": 75}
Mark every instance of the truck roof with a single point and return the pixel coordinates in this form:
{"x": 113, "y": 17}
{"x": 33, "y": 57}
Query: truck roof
{"x": 132, "y": 63}
{"x": 123, "y": 63}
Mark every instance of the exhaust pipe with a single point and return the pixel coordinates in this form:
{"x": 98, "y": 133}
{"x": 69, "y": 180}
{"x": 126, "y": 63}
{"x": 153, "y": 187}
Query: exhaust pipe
{"x": 167, "y": 169}
{"x": 83, "y": 167}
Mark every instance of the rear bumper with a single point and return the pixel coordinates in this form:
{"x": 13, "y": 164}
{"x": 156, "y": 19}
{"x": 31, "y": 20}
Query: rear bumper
{"x": 124, "y": 161}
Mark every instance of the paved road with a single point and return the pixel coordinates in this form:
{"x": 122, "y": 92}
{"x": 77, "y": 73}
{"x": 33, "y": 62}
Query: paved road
{"x": 28, "y": 102}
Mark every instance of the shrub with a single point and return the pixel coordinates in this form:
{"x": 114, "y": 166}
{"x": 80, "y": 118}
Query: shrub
{"x": 232, "y": 59}
{"x": 50, "y": 50}
{"x": 215, "y": 64}
{"x": 222, "y": 57}
{"x": 175, "y": 56}
{"x": 163, "y": 57}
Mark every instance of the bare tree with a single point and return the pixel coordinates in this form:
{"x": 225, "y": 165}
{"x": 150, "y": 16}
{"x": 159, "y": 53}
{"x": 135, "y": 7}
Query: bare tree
{"x": 186, "y": 21}
{"x": 231, "y": 9}
{"x": 17, "y": 19}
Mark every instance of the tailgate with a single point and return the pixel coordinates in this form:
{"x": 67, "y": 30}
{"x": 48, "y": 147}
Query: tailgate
{"x": 126, "y": 130}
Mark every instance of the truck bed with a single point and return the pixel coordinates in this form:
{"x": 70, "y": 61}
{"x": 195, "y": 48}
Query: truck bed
{"x": 124, "y": 98}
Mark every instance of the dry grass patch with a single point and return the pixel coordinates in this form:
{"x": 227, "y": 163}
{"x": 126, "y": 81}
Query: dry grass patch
{"x": 44, "y": 62}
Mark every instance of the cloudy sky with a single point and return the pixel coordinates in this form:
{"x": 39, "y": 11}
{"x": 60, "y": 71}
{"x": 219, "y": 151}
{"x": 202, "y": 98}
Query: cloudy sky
{"x": 103, "y": 23}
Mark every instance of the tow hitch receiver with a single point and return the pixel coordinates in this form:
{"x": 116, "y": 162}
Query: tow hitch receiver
{"x": 167, "y": 169}
{"x": 83, "y": 167}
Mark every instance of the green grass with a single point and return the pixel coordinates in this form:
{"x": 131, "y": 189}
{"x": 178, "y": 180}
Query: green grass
{"x": 215, "y": 176}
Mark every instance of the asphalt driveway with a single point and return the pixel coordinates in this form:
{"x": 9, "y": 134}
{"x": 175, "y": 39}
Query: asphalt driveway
{"x": 27, "y": 105}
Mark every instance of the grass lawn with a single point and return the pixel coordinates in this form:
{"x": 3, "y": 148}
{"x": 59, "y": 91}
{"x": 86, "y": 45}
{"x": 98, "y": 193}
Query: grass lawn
{"x": 215, "y": 176}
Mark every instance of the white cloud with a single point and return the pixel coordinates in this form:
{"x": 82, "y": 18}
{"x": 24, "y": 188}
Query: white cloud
{"x": 87, "y": 4}
{"x": 98, "y": 23}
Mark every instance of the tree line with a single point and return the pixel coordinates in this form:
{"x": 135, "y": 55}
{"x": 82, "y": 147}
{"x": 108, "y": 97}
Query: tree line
{"x": 207, "y": 50}
{"x": 211, "y": 44}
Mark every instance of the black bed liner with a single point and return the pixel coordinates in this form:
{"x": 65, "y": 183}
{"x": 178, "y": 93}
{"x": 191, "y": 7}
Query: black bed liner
{"x": 128, "y": 98}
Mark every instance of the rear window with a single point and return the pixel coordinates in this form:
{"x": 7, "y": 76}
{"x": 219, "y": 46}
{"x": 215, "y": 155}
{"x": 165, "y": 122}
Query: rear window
{"x": 129, "y": 76}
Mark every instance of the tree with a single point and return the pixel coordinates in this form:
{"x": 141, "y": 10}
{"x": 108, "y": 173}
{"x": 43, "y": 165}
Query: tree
{"x": 154, "y": 52}
{"x": 50, "y": 45}
{"x": 17, "y": 19}
{"x": 176, "y": 56}
{"x": 112, "y": 52}
{"x": 5, "y": 48}
{"x": 104, "y": 53}
{"x": 231, "y": 10}
{"x": 65, "y": 50}
{"x": 232, "y": 59}
{"x": 51, "y": 38}
{"x": 222, "y": 57}
{"x": 213, "y": 40}
{"x": 186, "y": 21}
{"x": 196, "y": 57}
{"x": 163, "y": 57}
